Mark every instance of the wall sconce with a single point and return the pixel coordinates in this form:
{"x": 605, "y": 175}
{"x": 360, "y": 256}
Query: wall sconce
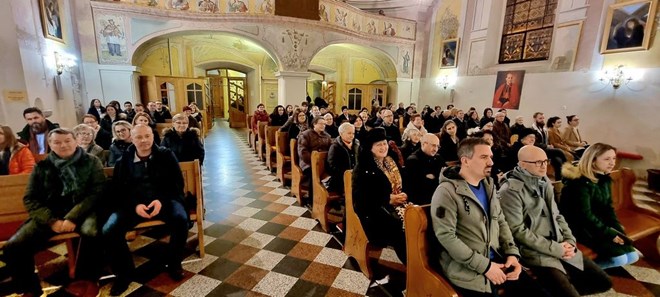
{"x": 616, "y": 76}
{"x": 445, "y": 81}
{"x": 63, "y": 62}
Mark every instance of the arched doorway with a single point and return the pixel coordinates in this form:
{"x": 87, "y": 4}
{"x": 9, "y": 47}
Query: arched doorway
{"x": 358, "y": 76}
{"x": 203, "y": 56}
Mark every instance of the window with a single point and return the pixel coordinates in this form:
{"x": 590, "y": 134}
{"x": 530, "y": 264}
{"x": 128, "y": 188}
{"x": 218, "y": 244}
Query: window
{"x": 355, "y": 99}
{"x": 527, "y": 32}
{"x": 194, "y": 92}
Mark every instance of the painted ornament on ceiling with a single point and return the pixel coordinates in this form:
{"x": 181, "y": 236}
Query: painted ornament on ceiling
{"x": 210, "y": 6}
{"x": 340, "y": 17}
{"x": 449, "y": 25}
{"x": 323, "y": 13}
{"x": 179, "y": 4}
{"x": 237, "y": 6}
{"x": 297, "y": 41}
{"x": 266, "y": 6}
{"x": 371, "y": 27}
{"x": 389, "y": 29}
{"x": 405, "y": 68}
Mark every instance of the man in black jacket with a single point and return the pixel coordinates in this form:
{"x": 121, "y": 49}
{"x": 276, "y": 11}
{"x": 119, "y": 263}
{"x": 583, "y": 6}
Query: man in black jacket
{"x": 423, "y": 171}
{"x": 35, "y": 132}
{"x": 391, "y": 130}
{"x": 342, "y": 156}
{"x": 152, "y": 185}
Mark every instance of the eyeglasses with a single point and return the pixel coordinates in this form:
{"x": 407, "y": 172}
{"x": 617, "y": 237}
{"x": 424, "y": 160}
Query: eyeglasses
{"x": 539, "y": 163}
{"x": 121, "y": 131}
{"x": 86, "y": 134}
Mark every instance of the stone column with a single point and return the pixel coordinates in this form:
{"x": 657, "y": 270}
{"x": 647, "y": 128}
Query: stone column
{"x": 291, "y": 87}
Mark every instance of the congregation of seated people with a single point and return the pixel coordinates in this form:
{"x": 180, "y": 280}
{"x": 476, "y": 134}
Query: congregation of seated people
{"x": 67, "y": 190}
{"x": 468, "y": 169}
{"x": 450, "y": 155}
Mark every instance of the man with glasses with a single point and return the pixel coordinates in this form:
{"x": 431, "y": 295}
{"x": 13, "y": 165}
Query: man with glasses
{"x": 423, "y": 171}
{"x": 479, "y": 255}
{"x": 392, "y": 132}
{"x": 547, "y": 245}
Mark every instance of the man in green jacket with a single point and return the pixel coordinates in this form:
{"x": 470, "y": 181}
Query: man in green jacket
{"x": 546, "y": 242}
{"x": 479, "y": 255}
{"x": 61, "y": 197}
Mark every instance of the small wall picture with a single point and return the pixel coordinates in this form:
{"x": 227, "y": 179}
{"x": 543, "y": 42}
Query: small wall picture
{"x": 508, "y": 88}
{"x": 449, "y": 54}
{"x": 628, "y": 26}
{"x": 111, "y": 36}
{"x": 51, "y": 19}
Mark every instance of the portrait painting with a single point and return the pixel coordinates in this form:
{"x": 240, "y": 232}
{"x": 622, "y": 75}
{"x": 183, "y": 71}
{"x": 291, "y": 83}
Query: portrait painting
{"x": 628, "y": 26}
{"x": 508, "y": 88}
{"x": 210, "y": 6}
{"x": 51, "y": 19}
{"x": 449, "y": 53}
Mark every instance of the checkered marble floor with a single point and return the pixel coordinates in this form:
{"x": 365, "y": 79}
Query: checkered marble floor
{"x": 260, "y": 242}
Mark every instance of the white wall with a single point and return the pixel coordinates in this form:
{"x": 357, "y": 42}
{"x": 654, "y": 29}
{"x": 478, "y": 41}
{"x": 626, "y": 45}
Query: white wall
{"x": 625, "y": 118}
{"x": 11, "y": 72}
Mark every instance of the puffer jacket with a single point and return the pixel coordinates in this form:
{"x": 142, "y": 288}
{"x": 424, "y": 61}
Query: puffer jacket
{"x": 539, "y": 229}
{"x": 310, "y": 141}
{"x": 21, "y": 160}
{"x": 458, "y": 222}
{"x": 587, "y": 206}
{"x": 186, "y": 147}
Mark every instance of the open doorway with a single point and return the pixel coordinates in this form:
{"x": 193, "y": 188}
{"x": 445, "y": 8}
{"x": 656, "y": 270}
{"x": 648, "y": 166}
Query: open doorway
{"x": 229, "y": 89}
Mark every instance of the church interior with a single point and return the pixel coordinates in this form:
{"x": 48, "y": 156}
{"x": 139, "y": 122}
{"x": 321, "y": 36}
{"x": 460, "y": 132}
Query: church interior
{"x": 565, "y": 57}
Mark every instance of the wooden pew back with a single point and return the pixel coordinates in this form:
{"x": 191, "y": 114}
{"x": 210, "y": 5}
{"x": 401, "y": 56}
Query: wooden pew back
{"x": 283, "y": 156}
{"x": 638, "y": 222}
{"x": 296, "y": 172}
{"x": 270, "y": 146}
{"x": 321, "y": 195}
{"x": 421, "y": 278}
{"x": 248, "y": 121}
{"x": 162, "y": 126}
{"x": 261, "y": 140}
{"x": 356, "y": 244}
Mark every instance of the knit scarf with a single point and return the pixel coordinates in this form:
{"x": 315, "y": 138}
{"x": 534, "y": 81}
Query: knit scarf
{"x": 68, "y": 171}
{"x": 388, "y": 166}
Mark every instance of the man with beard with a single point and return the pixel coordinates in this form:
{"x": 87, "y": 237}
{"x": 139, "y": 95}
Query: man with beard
{"x": 35, "y": 133}
{"x": 556, "y": 156}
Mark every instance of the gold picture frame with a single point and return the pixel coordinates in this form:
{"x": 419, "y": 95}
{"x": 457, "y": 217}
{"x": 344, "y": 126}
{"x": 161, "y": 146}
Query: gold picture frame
{"x": 449, "y": 53}
{"x": 628, "y": 26}
{"x": 51, "y": 19}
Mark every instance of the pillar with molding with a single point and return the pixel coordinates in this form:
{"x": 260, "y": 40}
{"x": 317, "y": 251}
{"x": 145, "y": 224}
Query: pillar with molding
{"x": 291, "y": 87}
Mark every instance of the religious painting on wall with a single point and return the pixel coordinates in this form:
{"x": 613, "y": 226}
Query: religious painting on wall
{"x": 449, "y": 54}
{"x": 111, "y": 35}
{"x": 51, "y": 19}
{"x": 209, "y": 6}
{"x": 237, "y": 6}
{"x": 179, "y": 4}
{"x": 628, "y": 26}
{"x": 508, "y": 88}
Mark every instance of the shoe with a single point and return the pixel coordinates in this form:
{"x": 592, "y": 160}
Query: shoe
{"x": 175, "y": 273}
{"x": 119, "y": 287}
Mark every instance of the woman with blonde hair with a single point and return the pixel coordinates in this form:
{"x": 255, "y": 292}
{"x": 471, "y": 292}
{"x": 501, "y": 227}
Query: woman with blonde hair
{"x": 121, "y": 140}
{"x": 85, "y": 135}
{"x": 184, "y": 142}
{"x": 586, "y": 203}
{"x": 145, "y": 119}
{"x": 15, "y": 157}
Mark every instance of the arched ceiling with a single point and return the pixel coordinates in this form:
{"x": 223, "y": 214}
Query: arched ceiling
{"x": 343, "y": 50}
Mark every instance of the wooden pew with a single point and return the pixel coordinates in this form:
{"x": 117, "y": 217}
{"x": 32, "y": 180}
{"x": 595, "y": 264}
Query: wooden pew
{"x": 356, "y": 244}
{"x": 162, "y": 126}
{"x": 248, "y": 121}
{"x": 192, "y": 184}
{"x": 401, "y": 126}
{"x": 13, "y": 214}
{"x": 261, "y": 140}
{"x": 283, "y": 156}
{"x": 270, "y": 146}
{"x": 641, "y": 225}
{"x": 321, "y": 195}
{"x": 296, "y": 173}
{"x": 421, "y": 278}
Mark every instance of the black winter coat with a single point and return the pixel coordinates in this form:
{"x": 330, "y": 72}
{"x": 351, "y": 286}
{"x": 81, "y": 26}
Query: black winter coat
{"x": 422, "y": 177}
{"x": 186, "y": 147}
{"x": 340, "y": 159}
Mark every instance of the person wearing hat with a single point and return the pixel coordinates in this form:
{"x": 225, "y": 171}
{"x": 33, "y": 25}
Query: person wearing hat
{"x": 377, "y": 193}
{"x": 192, "y": 122}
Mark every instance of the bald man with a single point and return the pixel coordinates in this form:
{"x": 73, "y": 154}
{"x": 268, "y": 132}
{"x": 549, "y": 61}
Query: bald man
{"x": 423, "y": 170}
{"x": 148, "y": 185}
{"x": 546, "y": 243}
{"x": 392, "y": 131}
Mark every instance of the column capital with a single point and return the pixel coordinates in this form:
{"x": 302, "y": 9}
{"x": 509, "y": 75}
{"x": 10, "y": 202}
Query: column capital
{"x": 300, "y": 74}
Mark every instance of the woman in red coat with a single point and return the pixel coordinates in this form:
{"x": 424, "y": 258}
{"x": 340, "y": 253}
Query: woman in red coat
{"x": 15, "y": 158}
{"x": 260, "y": 115}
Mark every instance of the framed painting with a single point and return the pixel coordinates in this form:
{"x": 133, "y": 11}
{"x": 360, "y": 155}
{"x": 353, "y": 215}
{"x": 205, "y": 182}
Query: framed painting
{"x": 628, "y": 26}
{"x": 51, "y": 19}
{"x": 508, "y": 89}
{"x": 449, "y": 54}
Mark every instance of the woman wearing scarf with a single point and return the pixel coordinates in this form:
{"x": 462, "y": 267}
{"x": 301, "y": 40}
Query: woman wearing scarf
{"x": 85, "y": 138}
{"x": 378, "y": 199}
